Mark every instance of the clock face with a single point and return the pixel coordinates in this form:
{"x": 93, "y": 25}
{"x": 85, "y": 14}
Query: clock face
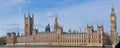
{"x": 113, "y": 18}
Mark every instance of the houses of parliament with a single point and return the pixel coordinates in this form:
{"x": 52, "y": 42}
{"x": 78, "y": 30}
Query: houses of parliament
{"x": 58, "y": 37}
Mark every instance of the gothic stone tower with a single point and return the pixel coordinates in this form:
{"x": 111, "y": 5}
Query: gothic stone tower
{"x": 113, "y": 25}
{"x": 28, "y": 24}
{"x": 56, "y": 24}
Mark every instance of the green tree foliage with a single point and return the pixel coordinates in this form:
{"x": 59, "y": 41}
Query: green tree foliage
{"x": 2, "y": 40}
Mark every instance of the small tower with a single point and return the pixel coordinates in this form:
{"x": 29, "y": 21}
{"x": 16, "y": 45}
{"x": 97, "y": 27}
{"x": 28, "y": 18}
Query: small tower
{"x": 113, "y": 27}
{"x": 28, "y": 24}
{"x": 89, "y": 28}
{"x": 56, "y": 24}
{"x": 47, "y": 29}
{"x": 18, "y": 34}
{"x": 11, "y": 39}
{"x": 100, "y": 29}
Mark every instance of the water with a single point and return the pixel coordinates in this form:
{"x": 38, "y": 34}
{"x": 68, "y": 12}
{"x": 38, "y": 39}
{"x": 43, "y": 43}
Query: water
{"x": 55, "y": 47}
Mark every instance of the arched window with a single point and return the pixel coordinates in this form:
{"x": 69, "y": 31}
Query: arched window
{"x": 26, "y": 25}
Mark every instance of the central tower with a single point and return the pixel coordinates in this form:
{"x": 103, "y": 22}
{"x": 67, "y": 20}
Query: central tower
{"x": 113, "y": 25}
{"x": 56, "y": 24}
{"x": 28, "y": 24}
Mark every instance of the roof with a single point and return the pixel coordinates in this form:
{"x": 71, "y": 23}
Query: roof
{"x": 64, "y": 32}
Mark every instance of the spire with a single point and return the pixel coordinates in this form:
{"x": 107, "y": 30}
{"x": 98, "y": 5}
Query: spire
{"x": 18, "y": 34}
{"x": 29, "y": 14}
{"x": 47, "y": 28}
{"x": 25, "y": 15}
{"x": 112, "y": 8}
{"x": 112, "y": 11}
{"x": 56, "y": 18}
{"x": 56, "y": 24}
{"x": 32, "y": 15}
{"x": 48, "y": 24}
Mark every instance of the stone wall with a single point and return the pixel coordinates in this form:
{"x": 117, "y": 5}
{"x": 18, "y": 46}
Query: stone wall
{"x": 63, "y": 39}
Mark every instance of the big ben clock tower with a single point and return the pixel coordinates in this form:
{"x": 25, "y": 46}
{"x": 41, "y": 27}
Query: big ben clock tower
{"x": 113, "y": 30}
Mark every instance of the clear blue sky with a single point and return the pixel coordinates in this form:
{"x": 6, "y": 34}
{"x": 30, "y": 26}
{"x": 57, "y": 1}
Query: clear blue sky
{"x": 72, "y": 14}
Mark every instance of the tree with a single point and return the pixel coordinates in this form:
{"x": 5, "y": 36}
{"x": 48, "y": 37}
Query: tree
{"x": 2, "y": 40}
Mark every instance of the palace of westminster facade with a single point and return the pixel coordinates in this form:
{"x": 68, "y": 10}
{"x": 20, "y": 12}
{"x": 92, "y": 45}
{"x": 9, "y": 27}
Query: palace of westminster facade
{"x": 58, "y": 37}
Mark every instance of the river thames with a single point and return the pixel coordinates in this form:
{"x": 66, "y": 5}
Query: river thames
{"x": 55, "y": 47}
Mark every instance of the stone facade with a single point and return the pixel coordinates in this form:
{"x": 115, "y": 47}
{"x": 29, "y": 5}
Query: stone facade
{"x": 90, "y": 37}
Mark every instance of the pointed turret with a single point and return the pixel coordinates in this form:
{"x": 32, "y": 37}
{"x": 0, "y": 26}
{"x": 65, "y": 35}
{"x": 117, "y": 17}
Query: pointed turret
{"x": 25, "y": 15}
{"x": 56, "y": 24}
{"x": 18, "y": 34}
{"x": 56, "y": 20}
{"x": 32, "y": 15}
{"x": 29, "y": 15}
{"x": 113, "y": 11}
{"x": 47, "y": 29}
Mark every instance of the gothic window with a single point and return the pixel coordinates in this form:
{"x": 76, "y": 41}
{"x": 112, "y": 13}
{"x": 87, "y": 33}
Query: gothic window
{"x": 89, "y": 41}
{"x": 84, "y": 40}
{"x": 58, "y": 38}
{"x": 99, "y": 41}
{"x": 26, "y": 25}
{"x": 31, "y": 25}
{"x": 99, "y": 37}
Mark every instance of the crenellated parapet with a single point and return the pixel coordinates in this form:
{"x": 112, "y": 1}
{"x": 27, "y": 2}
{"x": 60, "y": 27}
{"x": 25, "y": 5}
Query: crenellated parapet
{"x": 100, "y": 29}
{"x": 90, "y": 28}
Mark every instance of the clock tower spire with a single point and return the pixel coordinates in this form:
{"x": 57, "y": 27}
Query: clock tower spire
{"x": 56, "y": 24}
